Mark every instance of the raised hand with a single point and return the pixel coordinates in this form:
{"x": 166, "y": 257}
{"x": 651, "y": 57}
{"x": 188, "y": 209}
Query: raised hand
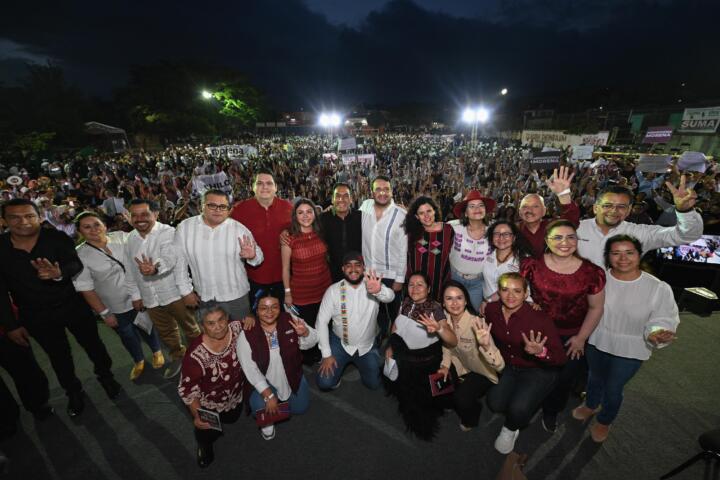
{"x": 561, "y": 180}
{"x": 46, "y": 270}
{"x": 535, "y": 343}
{"x": 373, "y": 282}
{"x": 431, "y": 325}
{"x": 247, "y": 247}
{"x": 146, "y": 265}
{"x": 683, "y": 197}
{"x": 482, "y": 332}
{"x": 299, "y": 326}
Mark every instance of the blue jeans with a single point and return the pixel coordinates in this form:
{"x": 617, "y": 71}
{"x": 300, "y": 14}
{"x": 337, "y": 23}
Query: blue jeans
{"x": 299, "y": 401}
{"x": 129, "y": 332}
{"x": 607, "y": 377}
{"x": 520, "y": 392}
{"x": 474, "y": 288}
{"x": 369, "y": 366}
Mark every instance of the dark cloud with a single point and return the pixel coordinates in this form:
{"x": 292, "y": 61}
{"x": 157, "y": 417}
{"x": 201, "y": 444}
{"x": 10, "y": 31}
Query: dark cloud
{"x": 400, "y": 52}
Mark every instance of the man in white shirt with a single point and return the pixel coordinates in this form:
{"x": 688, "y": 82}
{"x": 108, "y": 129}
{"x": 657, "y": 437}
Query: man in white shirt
{"x": 385, "y": 244}
{"x": 153, "y": 276}
{"x": 216, "y": 248}
{"x": 353, "y": 306}
{"x": 612, "y": 207}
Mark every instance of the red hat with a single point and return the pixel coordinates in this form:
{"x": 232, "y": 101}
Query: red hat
{"x": 459, "y": 208}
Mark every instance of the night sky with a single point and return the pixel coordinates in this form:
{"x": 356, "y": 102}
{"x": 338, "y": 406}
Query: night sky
{"x": 323, "y": 53}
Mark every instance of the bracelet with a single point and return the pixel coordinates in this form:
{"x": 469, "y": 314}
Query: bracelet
{"x": 269, "y": 397}
{"x": 564, "y": 192}
{"x": 542, "y": 354}
{"x": 287, "y": 290}
{"x": 104, "y": 313}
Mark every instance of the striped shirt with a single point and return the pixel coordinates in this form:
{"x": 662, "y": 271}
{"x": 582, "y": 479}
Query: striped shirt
{"x": 213, "y": 255}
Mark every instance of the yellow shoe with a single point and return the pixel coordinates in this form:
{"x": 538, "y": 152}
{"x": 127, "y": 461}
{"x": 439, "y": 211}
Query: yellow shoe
{"x": 158, "y": 360}
{"x": 137, "y": 370}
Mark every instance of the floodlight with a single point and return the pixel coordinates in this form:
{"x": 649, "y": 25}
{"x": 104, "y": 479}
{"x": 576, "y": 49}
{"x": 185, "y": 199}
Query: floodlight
{"x": 503, "y": 91}
{"x": 206, "y": 95}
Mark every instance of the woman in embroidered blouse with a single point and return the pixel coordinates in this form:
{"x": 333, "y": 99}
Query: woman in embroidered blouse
{"x": 474, "y": 362}
{"x": 470, "y": 245}
{"x": 532, "y": 351}
{"x": 429, "y": 243}
{"x": 102, "y": 284}
{"x": 571, "y": 290}
{"x": 305, "y": 269}
{"x": 415, "y": 344}
{"x": 628, "y": 332}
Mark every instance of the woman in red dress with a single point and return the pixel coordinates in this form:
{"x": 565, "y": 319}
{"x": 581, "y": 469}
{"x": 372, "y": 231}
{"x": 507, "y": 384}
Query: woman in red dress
{"x": 429, "y": 243}
{"x": 571, "y": 291}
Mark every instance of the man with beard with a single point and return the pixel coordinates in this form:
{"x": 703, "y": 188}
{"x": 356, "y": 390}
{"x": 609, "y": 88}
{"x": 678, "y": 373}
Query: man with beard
{"x": 341, "y": 228}
{"x": 352, "y": 305}
{"x": 384, "y": 243}
{"x": 153, "y": 280}
{"x": 613, "y": 206}
{"x": 532, "y": 211}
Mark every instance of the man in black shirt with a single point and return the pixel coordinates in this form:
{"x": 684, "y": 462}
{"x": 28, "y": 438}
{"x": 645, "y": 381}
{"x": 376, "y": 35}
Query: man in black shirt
{"x": 37, "y": 266}
{"x": 341, "y": 227}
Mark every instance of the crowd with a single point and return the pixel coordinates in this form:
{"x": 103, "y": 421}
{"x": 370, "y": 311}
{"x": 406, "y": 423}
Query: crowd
{"x": 444, "y": 271}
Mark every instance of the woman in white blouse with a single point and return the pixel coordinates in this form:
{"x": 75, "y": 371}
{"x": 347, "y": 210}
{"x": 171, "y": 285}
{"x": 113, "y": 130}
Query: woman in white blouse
{"x": 640, "y": 316}
{"x": 102, "y": 284}
{"x": 470, "y": 246}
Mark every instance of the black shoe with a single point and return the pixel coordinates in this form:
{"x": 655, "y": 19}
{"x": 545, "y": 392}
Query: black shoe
{"x": 111, "y": 387}
{"x": 205, "y": 455}
{"x": 76, "y": 403}
{"x": 43, "y": 413}
{"x": 549, "y": 422}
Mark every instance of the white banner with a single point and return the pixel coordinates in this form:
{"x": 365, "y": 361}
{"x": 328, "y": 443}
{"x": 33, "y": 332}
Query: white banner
{"x": 700, "y": 120}
{"x": 217, "y": 181}
{"x": 348, "y": 143}
{"x": 232, "y": 151}
{"x": 654, "y": 163}
{"x": 365, "y": 159}
{"x": 694, "y": 161}
{"x": 560, "y": 139}
{"x": 582, "y": 152}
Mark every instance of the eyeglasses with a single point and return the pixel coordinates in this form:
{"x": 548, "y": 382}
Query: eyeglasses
{"x": 560, "y": 238}
{"x": 215, "y": 206}
{"x": 620, "y": 207}
{"x": 502, "y": 234}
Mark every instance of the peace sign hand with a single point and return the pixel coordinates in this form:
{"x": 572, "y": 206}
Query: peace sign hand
{"x": 482, "y": 332}
{"x": 45, "y": 269}
{"x": 535, "y": 344}
{"x": 146, "y": 265}
{"x": 560, "y": 181}
{"x": 373, "y": 282}
{"x": 684, "y": 198}
{"x": 247, "y": 247}
{"x": 300, "y": 328}
{"x": 431, "y": 325}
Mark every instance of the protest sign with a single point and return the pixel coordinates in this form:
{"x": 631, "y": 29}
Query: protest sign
{"x": 217, "y": 181}
{"x": 365, "y": 159}
{"x": 582, "y": 152}
{"x": 348, "y": 143}
{"x": 232, "y": 151}
{"x": 694, "y": 161}
{"x": 545, "y": 161}
{"x": 658, "y": 135}
{"x": 654, "y": 163}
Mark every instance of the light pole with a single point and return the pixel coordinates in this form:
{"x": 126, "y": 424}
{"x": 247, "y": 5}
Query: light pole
{"x": 474, "y": 116}
{"x": 330, "y": 121}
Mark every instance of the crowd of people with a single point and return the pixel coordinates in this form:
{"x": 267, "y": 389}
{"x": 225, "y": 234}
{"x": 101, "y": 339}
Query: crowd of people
{"x": 444, "y": 271}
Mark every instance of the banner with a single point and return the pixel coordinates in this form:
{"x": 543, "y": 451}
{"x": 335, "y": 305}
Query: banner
{"x": 217, "y": 181}
{"x": 348, "y": 143}
{"x": 582, "y": 152}
{"x": 232, "y": 151}
{"x": 654, "y": 163}
{"x": 365, "y": 159}
{"x": 700, "y": 120}
{"x": 545, "y": 161}
{"x": 559, "y": 139}
{"x": 658, "y": 135}
{"x": 694, "y": 161}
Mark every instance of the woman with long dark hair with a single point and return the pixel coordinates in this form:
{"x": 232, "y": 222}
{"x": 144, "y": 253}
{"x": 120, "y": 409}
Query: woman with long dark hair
{"x": 429, "y": 243}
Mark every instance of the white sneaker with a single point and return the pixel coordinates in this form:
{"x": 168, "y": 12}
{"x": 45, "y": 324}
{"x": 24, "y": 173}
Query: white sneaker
{"x": 268, "y": 433}
{"x": 505, "y": 442}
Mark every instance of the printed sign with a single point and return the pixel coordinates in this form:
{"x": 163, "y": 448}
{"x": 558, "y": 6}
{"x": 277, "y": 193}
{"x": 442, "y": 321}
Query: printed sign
{"x": 545, "y": 161}
{"x": 348, "y": 143}
{"x": 232, "y": 151}
{"x": 700, "y": 120}
{"x": 658, "y": 135}
{"x": 582, "y": 152}
{"x": 217, "y": 181}
{"x": 654, "y": 163}
{"x": 694, "y": 161}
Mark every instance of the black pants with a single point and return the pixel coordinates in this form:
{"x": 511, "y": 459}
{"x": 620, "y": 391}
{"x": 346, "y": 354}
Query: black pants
{"x": 469, "y": 389}
{"x": 570, "y": 374}
{"x": 48, "y": 329}
{"x": 278, "y": 290}
{"x": 30, "y": 381}
{"x": 208, "y": 437}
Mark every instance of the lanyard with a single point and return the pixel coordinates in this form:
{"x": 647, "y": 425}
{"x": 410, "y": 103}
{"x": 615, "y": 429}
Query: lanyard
{"x": 343, "y": 312}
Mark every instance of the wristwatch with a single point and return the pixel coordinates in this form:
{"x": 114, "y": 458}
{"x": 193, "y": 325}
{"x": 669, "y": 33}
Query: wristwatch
{"x": 269, "y": 397}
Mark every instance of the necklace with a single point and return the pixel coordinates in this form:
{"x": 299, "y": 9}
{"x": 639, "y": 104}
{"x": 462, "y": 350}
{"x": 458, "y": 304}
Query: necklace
{"x": 503, "y": 260}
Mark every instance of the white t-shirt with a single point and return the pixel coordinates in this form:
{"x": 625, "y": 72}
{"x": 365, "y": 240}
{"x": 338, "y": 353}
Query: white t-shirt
{"x": 467, "y": 255}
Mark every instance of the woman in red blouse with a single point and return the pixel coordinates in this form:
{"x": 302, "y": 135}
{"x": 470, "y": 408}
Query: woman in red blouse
{"x": 429, "y": 243}
{"x": 571, "y": 291}
{"x": 531, "y": 348}
{"x": 305, "y": 269}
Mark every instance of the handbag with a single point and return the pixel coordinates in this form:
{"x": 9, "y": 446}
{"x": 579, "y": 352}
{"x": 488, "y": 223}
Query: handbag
{"x": 512, "y": 469}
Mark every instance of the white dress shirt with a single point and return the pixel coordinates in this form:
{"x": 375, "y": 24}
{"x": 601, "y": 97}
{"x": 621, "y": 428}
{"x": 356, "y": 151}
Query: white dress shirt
{"x": 104, "y": 275}
{"x": 492, "y": 271}
{"x": 362, "y": 310}
{"x": 384, "y": 242}
{"x": 213, "y": 255}
{"x": 162, "y": 288}
{"x": 275, "y": 374}
{"x": 633, "y": 310}
{"x": 592, "y": 240}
